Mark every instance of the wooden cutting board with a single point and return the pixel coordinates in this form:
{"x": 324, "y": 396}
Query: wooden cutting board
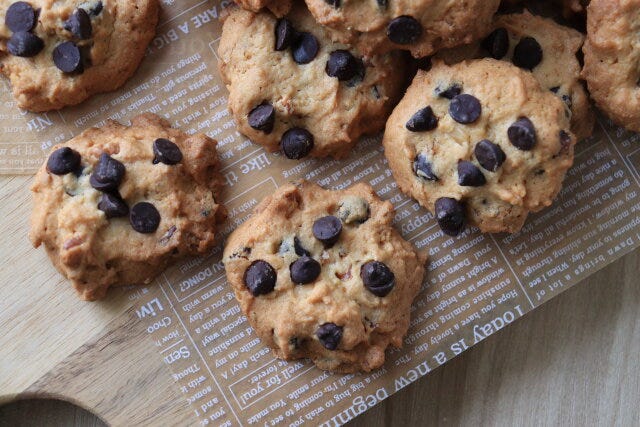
{"x": 52, "y": 344}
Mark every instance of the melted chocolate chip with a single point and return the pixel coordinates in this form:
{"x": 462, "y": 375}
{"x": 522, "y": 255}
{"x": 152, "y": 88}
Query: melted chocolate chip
{"x": 522, "y": 134}
{"x": 144, "y": 217}
{"x": 449, "y": 93}
{"x": 342, "y": 65}
{"x": 465, "y": 109}
{"x": 377, "y": 278}
{"x": 404, "y": 30}
{"x": 260, "y": 278}
{"x": 422, "y": 167}
{"x": 382, "y": 4}
{"x": 263, "y": 117}
{"x": 68, "y": 58}
{"x": 20, "y": 17}
{"x": 329, "y": 335}
{"x": 79, "y": 24}
{"x": 423, "y": 120}
{"x": 113, "y": 206}
{"x": 296, "y": 143}
{"x": 166, "y": 152}
{"x": 450, "y": 215}
{"x": 24, "y": 44}
{"x": 305, "y": 48}
{"x": 334, "y": 3}
{"x": 489, "y": 155}
{"x": 298, "y": 248}
{"x": 304, "y": 270}
{"x": 63, "y": 161}
{"x": 527, "y": 53}
{"x": 108, "y": 174}
{"x": 327, "y": 229}
{"x": 469, "y": 175}
{"x": 497, "y": 43}
{"x": 285, "y": 34}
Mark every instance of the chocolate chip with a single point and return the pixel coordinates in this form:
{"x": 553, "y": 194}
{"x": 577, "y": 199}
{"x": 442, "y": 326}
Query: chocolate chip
{"x": 305, "y": 48}
{"x": 522, "y": 134}
{"x": 377, "y": 278}
{"x": 79, "y": 24}
{"x": 68, "y": 58}
{"x": 527, "y": 53}
{"x": 263, "y": 117}
{"x": 304, "y": 270}
{"x": 422, "y": 167}
{"x": 342, "y": 65}
{"x": 469, "y": 175}
{"x": 404, "y": 30}
{"x": 465, "y": 109}
{"x": 329, "y": 335}
{"x": 63, "y": 161}
{"x": 20, "y": 17}
{"x": 422, "y": 120}
{"x": 113, "y": 206}
{"x": 565, "y": 141}
{"x": 450, "y": 215}
{"x": 424, "y": 63}
{"x": 334, "y": 3}
{"x": 296, "y": 143}
{"x": 96, "y": 9}
{"x": 24, "y": 44}
{"x": 382, "y": 4}
{"x": 489, "y": 155}
{"x": 450, "y": 92}
{"x": 297, "y": 246}
{"x": 144, "y": 217}
{"x": 327, "y": 229}
{"x": 497, "y": 43}
{"x": 166, "y": 152}
{"x": 260, "y": 278}
{"x": 108, "y": 174}
{"x": 555, "y": 89}
{"x": 285, "y": 34}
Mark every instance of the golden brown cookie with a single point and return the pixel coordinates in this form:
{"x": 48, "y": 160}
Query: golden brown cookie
{"x": 59, "y": 53}
{"x": 324, "y": 275}
{"x": 612, "y": 59}
{"x": 479, "y": 142}
{"x": 422, "y": 27}
{"x": 545, "y": 48}
{"x": 114, "y": 205}
{"x": 292, "y": 89}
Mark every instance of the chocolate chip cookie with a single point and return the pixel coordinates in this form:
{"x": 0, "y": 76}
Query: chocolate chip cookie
{"x": 114, "y": 205}
{"x": 292, "y": 89}
{"x": 545, "y": 48}
{"x": 324, "y": 275}
{"x": 421, "y": 27}
{"x": 612, "y": 59}
{"x": 479, "y": 143}
{"x": 59, "y": 53}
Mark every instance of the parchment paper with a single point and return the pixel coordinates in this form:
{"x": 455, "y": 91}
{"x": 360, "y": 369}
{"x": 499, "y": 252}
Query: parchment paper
{"x": 476, "y": 284}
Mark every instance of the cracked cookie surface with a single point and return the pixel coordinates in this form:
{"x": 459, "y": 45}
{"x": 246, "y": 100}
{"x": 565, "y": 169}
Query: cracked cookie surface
{"x": 114, "y": 205}
{"x": 324, "y": 275}
{"x": 479, "y": 142}
{"x": 74, "y": 48}
{"x": 292, "y": 89}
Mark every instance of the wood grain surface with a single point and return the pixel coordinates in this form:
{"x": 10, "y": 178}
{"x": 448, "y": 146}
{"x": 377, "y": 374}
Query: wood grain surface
{"x": 573, "y": 361}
